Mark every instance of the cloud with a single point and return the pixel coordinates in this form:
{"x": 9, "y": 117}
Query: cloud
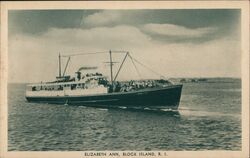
{"x": 176, "y": 30}
{"x": 102, "y": 18}
{"x": 121, "y": 36}
{"x": 39, "y": 54}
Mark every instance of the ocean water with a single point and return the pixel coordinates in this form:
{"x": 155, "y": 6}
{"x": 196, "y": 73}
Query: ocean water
{"x": 209, "y": 118}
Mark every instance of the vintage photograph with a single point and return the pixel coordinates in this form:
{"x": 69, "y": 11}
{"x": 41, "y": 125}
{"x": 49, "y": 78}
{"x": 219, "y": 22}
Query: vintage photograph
{"x": 124, "y": 79}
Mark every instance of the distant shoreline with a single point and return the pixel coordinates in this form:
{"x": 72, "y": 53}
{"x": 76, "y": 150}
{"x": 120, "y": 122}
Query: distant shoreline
{"x": 184, "y": 80}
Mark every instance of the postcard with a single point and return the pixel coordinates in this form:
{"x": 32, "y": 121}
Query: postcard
{"x": 125, "y": 79}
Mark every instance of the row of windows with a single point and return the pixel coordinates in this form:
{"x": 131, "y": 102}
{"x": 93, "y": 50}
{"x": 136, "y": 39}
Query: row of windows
{"x": 61, "y": 87}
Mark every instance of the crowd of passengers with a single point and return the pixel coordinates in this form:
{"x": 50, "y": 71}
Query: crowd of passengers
{"x": 137, "y": 85}
{"x": 79, "y": 76}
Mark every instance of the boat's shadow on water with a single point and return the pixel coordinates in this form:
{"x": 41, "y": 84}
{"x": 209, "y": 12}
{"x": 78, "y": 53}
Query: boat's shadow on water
{"x": 148, "y": 111}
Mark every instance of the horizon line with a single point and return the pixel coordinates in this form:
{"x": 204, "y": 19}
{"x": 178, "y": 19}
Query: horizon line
{"x": 11, "y": 82}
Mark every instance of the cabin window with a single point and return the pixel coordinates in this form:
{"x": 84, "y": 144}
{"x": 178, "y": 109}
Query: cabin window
{"x": 60, "y": 87}
{"x": 73, "y": 86}
{"x": 38, "y": 88}
{"x": 33, "y": 88}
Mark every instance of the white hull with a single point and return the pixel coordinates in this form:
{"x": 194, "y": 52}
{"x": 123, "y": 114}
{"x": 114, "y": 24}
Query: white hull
{"x": 67, "y": 92}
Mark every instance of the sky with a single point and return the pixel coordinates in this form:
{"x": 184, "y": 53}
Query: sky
{"x": 174, "y": 43}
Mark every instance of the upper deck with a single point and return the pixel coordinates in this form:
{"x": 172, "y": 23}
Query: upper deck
{"x": 86, "y": 81}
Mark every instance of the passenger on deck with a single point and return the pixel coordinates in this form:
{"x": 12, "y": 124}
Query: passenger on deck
{"x": 118, "y": 87}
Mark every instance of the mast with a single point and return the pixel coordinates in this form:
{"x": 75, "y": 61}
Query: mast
{"x": 111, "y": 68}
{"x": 60, "y": 65}
{"x": 66, "y": 67}
{"x": 127, "y": 53}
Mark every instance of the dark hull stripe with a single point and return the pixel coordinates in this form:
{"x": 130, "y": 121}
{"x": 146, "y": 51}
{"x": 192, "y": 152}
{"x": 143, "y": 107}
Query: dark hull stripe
{"x": 164, "y": 97}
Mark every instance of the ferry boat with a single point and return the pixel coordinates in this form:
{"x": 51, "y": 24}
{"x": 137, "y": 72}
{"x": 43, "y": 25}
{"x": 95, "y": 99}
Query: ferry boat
{"x": 95, "y": 89}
